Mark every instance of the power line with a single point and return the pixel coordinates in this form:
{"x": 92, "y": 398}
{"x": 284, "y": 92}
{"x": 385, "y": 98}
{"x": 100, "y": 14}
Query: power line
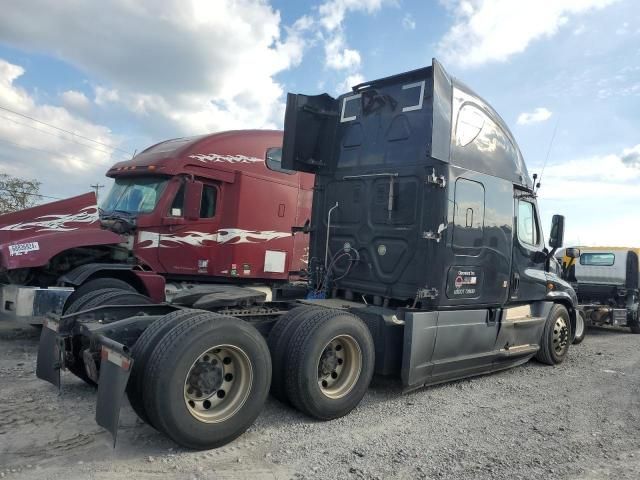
{"x": 29, "y": 193}
{"x": 26, "y": 147}
{"x": 63, "y": 130}
{"x": 58, "y": 136}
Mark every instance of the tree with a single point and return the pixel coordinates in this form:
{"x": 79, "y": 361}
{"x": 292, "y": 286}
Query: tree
{"x": 17, "y": 193}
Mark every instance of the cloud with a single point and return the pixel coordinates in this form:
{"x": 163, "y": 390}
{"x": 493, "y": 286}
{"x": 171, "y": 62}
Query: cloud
{"x": 609, "y": 176}
{"x": 185, "y": 67}
{"x": 540, "y": 114}
{"x": 36, "y": 151}
{"x": 494, "y": 30}
{"x": 333, "y": 12}
{"x": 598, "y": 195}
{"x": 75, "y": 100}
{"x": 338, "y": 55}
{"x": 631, "y": 156}
{"x": 408, "y": 22}
{"x": 351, "y": 81}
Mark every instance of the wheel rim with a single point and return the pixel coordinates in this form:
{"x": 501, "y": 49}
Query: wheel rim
{"x": 218, "y": 383}
{"x": 339, "y": 366}
{"x": 579, "y": 325}
{"x": 560, "y": 335}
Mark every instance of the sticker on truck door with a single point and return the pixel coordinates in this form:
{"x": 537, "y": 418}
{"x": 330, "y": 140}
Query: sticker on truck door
{"x": 22, "y": 248}
{"x": 464, "y": 282}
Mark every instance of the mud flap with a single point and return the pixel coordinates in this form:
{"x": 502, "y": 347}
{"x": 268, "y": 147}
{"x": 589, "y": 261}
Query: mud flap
{"x": 115, "y": 369}
{"x": 49, "y": 360}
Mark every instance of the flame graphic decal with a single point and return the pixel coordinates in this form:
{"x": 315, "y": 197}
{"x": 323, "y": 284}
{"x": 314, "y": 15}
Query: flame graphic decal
{"x": 216, "y": 158}
{"x": 57, "y": 223}
{"x": 230, "y": 236}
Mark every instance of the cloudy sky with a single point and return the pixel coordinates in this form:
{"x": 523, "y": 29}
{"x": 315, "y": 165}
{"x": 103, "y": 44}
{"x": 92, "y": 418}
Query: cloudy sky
{"x": 123, "y": 74}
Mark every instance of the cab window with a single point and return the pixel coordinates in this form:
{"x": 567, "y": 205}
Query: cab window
{"x": 208, "y": 202}
{"x": 177, "y": 205}
{"x": 528, "y": 231}
{"x": 598, "y": 259}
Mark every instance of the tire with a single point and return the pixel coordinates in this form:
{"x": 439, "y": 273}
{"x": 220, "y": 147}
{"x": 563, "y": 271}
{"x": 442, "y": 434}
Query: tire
{"x": 278, "y": 342}
{"x": 141, "y": 352}
{"x": 110, "y": 296}
{"x": 633, "y": 320}
{"x": 317, "y": 342}
{"x": 97, "y": 284}
{"x": 199, "y": 341}
{"x": 554, "y": 344}
{"x": 78, "y": 304}
{"x": 581, "y": 328}
{"x": 105, "y": 296}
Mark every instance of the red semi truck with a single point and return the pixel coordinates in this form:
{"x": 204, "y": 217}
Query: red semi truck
{"x": 181, "y": 213}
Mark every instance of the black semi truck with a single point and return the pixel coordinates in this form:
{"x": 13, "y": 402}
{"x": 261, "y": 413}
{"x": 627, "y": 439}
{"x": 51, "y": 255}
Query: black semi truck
{"x": 427, "y": 262}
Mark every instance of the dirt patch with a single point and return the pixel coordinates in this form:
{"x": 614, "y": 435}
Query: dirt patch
{"x": 578, "y": 420}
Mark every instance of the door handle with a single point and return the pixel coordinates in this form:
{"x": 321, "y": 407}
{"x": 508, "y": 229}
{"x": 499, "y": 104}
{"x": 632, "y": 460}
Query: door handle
{"x": 516, "y": 282}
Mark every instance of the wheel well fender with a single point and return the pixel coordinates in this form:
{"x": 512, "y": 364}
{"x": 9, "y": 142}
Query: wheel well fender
{"x": 91, "y": 271}
{"x": 573, "y": 314}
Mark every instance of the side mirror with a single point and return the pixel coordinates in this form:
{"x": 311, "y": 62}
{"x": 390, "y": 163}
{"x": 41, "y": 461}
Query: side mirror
{"x": 273, "y": 154}
{"x": 557, "y": 232}
{"x": 572, "y": 252}
{"x": 273, "y": 160}
{"x": 192, "y": 199}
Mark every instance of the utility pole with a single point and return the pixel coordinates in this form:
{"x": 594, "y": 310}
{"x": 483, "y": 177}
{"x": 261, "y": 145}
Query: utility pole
{"x": 97, "y": 187}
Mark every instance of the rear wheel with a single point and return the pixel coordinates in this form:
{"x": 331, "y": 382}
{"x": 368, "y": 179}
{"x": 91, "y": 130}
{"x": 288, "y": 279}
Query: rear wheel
{"x": 554, "y": 344}
{"x": 99, "y": 298}
{"x": 330, "y": 364}
{"x": 109, "y": 296}
{"x": 142, "y": 350}
{"x": 581, "y": 328}
{"x": 207, "y": 380}
{"x": 79, "y": 303}
{"x": 97, "y": 284}
{"x": 278, "y": 342}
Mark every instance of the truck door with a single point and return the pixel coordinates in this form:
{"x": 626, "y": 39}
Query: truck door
{"x": 310, "y": 124}
{"x": 188, "y": 246}
{"x": 478, "y": 255}
{"x": 528, "y": 278}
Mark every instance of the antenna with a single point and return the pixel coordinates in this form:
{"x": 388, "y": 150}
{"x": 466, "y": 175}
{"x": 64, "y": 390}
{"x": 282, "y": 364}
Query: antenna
{"x": 544, "y": 165}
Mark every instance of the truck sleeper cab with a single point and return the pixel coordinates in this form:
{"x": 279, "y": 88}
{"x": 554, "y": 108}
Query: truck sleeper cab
{"x": 425, "y": 224}
{"x": 426, "y": 262}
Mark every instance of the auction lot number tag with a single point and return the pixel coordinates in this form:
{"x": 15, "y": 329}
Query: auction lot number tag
{"x": 22, "y": 248}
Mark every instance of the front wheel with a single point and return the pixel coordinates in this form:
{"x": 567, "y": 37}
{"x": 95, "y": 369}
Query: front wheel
{"x": 554, "y": 344}
{"x": 581, "y": 328}
{"x": 634, "y": 321}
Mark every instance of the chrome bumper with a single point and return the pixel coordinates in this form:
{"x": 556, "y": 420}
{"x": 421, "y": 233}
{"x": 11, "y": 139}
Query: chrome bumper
{"x": 31, "y": 304}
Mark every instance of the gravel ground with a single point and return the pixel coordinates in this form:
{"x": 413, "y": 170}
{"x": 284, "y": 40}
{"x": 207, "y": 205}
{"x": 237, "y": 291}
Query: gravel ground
{"x": 578, "y": 420}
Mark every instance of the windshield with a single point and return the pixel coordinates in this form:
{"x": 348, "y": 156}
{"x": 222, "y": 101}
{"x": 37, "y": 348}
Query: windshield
{"x": 134, "y": 195}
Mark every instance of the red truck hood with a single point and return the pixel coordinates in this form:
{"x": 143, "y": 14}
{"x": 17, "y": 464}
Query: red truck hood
{"x": 31, "y": 237}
